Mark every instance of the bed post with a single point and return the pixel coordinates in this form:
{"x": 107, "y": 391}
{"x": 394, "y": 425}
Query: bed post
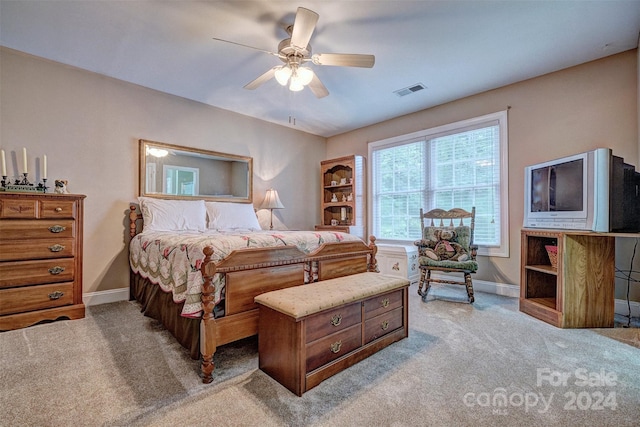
{"x": 373, "y": 262}
{"x": 208, "y": 323}
{"x": 133, "y": 217}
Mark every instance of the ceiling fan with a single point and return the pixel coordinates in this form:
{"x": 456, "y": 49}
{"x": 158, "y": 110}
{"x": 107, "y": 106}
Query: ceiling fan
{"x": 296, "y": 51}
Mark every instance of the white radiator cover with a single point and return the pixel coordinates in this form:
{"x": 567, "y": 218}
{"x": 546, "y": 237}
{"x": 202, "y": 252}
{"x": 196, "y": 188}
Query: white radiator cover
{"x": 399, "y": 260}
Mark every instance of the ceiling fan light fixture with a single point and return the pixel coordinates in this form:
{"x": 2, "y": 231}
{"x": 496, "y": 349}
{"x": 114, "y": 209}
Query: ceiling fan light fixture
{"x": 295, "y": 85}
{"x": 305, "y": 75}
{"x": 282, "y": 74}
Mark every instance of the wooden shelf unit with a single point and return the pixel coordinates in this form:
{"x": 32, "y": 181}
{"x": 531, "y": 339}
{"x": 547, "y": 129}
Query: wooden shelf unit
{"x": 343, "y": 178}
{"x": 579, "y": 293}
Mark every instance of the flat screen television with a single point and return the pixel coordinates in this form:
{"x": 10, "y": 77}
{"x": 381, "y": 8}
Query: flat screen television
{"x": 593, "y": 191}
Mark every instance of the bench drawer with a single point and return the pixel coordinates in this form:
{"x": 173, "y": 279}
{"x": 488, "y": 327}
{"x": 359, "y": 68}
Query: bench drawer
{"x": 329, "y": 348}
{"x": 383, "y": 324}
{"x": 382, "y": 304}
{"x": 331, "y": 321}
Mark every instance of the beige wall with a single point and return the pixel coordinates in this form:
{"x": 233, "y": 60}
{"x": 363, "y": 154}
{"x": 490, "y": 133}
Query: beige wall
{"x": 562, "y": 113}
{"x": 88, "y": 125}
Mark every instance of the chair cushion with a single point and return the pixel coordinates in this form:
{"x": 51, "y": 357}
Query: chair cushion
{"x": 469, "y": 265}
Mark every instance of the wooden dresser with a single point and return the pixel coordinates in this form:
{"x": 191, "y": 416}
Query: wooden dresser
{"x": 40, "y": 258}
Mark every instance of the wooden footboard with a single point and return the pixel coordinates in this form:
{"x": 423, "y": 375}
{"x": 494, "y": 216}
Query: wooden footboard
{"x": 250, "y": 272}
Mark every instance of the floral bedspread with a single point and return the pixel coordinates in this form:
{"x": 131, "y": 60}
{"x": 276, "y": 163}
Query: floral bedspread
{"x": 172, "y": 259}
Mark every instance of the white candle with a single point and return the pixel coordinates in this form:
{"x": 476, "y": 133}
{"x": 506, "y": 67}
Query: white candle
{"x": 343, "y": 214}
{"x": 44, "y": 167}
{"x": 24, "y": 160}
{"x": 4, "y": 164}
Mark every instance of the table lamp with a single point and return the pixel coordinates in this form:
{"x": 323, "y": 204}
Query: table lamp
{"x": 271, "y": 201}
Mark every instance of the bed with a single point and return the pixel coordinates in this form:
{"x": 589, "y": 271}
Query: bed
{"x": 199, "y": 278}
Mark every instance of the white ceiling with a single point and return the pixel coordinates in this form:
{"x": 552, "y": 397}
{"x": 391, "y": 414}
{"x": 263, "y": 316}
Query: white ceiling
{"x": 454, "y": 48}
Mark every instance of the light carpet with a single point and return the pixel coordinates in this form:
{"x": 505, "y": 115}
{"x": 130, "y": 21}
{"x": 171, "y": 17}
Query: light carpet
{"x": 484, "y": 364}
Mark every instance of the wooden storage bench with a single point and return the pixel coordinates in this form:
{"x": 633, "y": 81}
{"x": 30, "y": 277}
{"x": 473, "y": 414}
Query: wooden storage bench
{"x": 308, "y": 333}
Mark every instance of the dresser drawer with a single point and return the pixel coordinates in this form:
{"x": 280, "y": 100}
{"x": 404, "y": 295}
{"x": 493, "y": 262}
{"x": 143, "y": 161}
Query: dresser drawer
{"x": 29, "y": 298}
{"x": 57, "y": 209}
{"x": 331, "y": 321}
{"x": 18, "y": 208}
{"x": 19, "y": 273}
{"x": 324, "y": 350}
{"x": 13, "y": 250}
{"x": 383, "y": 324}
{"x": 38, "y": 229}
{"x": 382, "y": 303}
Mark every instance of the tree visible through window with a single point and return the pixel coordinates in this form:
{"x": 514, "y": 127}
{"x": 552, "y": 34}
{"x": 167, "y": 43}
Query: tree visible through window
{"x": 459, "y": 165}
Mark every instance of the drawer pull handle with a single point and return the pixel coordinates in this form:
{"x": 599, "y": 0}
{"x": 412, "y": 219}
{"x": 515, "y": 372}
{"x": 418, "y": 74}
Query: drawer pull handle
{"x": 57, "y": 229}
{"x": 335, "y": 347}
{"x": 58, "y": 209}
{"x": 56, "y": 248}
{"x": 385, "y": 325}
{"x": 56, "y": 270}
{"x": 336, "y": 320}
{"x": 56, "y": 295}
{"x": 385, "y": 302}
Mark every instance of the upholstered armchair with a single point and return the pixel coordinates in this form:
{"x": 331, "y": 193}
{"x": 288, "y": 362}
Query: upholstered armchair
{"x": 447, "y": 247}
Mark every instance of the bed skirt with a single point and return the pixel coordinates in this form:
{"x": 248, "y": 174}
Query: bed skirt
{"x": 159, "y": 305}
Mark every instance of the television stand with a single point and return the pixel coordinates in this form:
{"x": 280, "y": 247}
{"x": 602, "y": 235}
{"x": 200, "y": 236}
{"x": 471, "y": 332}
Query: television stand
{"x": 580, "y": 291}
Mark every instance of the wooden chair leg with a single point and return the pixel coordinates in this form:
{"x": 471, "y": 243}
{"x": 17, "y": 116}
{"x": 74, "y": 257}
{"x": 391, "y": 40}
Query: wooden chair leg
{"x": 423, "y": 272}
{"x": 427, "y": 282}
{"x": 469, "y": 285}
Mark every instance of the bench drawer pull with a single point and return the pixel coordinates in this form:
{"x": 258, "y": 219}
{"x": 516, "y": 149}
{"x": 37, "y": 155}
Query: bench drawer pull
{"x": 56, "y": 295}
{"x": 57, "y": 229}
{"x": 56, "y": 270}
{"x": 335, "y": 347}
{"x": 58, "y": 209}
{"x": 385, "y": 302}
{"x": 385, "y": 325}
{"x": 56, "y": 248}
{"x": 336, "y": 320}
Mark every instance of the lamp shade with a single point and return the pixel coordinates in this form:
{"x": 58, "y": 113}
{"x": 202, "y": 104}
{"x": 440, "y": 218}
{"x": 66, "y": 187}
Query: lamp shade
{"x": 271, "y": 200}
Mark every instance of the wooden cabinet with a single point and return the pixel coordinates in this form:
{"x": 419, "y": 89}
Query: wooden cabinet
{"x": 342, "y": 192}
{"x": 301, "y": 353}
{"x": 40, "y": 258}
{"x": 579, "y": 291}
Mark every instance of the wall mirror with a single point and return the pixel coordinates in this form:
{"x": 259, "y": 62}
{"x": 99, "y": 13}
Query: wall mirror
{"x": 174, "y": 172}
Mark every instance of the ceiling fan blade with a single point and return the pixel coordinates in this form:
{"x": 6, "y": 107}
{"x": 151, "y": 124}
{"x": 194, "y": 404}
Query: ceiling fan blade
{"x": 344, "y": 59}
{"x": 316, "y": 86}
{"x": 263, "y": 78}
{"x": 244, "y": 45}
{"x": 303, "y": 27}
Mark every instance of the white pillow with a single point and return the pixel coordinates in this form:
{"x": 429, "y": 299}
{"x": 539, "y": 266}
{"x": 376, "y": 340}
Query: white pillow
{"x": 225, "y": 216}
{"x": 173, "y": 215}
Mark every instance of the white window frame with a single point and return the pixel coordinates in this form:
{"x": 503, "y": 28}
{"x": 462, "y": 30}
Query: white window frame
{"x": 501, "y": 117}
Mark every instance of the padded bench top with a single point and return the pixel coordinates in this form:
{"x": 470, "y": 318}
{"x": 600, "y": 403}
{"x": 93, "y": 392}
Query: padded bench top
{"x": 303, "y": 300}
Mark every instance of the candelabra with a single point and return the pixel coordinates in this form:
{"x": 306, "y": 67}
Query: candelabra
{"x": 23, "y": 185}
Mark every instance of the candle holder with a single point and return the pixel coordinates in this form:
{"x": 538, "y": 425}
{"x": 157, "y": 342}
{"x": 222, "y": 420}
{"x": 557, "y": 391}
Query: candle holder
{"x": 23, "y": 185}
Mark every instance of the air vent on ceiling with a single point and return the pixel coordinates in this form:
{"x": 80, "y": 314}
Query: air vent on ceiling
{"x": 409, "y": 90}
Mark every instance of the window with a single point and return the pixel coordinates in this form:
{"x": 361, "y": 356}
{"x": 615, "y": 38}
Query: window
{"x": 462, "y": 165}
{"x": 180, "y": 180}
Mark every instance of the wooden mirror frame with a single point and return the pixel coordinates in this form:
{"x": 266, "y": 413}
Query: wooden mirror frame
{"x": 229, "y": 177}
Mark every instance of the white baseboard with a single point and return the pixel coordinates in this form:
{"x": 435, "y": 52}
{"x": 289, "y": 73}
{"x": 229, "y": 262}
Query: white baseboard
{"x": 104, "y": 297}
{"x": 623, "y": 309}
{"x": 512, "y": 291}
